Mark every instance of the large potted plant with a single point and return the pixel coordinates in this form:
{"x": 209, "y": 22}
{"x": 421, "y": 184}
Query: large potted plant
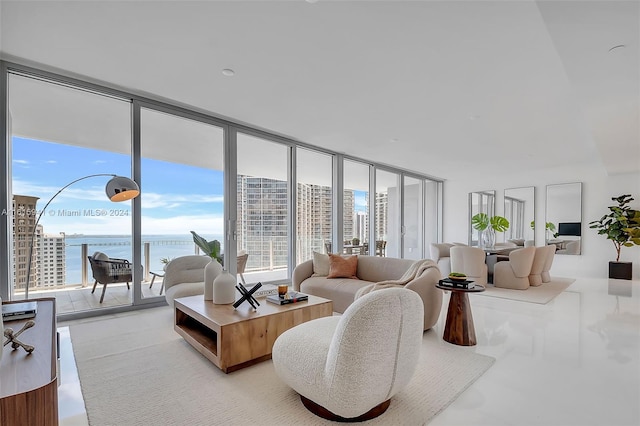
{"x": 488, "y": 226}
{"x": 622, "y": 226}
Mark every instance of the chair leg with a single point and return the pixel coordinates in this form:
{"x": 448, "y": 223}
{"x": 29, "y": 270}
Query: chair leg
{"x": 161, "y": 288}
{"x": 128, "y": 288}
{"x": 243, "y": 281}
{"x": 104, "y": 288}
{"x": 95, "y": 283}
{"x": 152, "y": 280}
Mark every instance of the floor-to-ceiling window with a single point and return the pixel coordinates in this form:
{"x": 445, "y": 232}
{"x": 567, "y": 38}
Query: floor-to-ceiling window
{"x": 356, "y": 205}
{"x": 412, "y": 221}
{"x": 387, "y": 215}
{"x": 182, "y": 172}
{"x": 263, "y": 207}
{"x": 314, "y": 202}
{"x": 272, "y": 197}
{"x": 60, "y": 134}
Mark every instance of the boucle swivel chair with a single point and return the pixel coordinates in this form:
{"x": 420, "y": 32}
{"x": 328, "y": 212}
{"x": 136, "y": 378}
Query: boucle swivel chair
{"x": 514, "y": 274}
{"x": 347, "y": 368}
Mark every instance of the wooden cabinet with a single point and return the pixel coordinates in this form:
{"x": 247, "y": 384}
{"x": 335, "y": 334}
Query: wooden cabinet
{"x": 28, "y": 382}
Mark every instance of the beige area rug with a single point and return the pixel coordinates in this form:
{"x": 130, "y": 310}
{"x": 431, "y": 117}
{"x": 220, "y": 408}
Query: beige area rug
{"x": 135, "y": 370}
{"x": 542, "y": 294}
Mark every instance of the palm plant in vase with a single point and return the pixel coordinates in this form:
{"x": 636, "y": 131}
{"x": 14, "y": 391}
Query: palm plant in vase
{"x": 210, "y": 248}
{"x": 488, "y": 226}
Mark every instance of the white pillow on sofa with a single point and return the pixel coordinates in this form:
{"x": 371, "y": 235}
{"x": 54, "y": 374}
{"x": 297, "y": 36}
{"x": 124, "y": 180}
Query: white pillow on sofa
{"x": 320, "y": 264}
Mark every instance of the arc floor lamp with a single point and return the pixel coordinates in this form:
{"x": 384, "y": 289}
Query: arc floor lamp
{"x": 119, "y": 188}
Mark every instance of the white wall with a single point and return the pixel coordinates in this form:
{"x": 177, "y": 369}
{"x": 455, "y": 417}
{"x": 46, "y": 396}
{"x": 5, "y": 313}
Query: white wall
{"x": 597, "y": 190}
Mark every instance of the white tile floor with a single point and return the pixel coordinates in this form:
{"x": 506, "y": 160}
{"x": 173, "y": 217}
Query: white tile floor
{"x": 573, "y": 361}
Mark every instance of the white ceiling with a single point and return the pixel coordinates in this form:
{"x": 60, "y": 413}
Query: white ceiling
{"x": 511, "y": 85}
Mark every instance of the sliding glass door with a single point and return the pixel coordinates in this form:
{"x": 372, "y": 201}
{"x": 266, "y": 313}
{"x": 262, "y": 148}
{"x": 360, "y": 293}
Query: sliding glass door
{"x": 60, "y": 135}
{"x": 182, "y": 172}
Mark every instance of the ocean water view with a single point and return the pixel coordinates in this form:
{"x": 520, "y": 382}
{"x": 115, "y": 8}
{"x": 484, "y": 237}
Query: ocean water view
{"x": 121, "y": 247}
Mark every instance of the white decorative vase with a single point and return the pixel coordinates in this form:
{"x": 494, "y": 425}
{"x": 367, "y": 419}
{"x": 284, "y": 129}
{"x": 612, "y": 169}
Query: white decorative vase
{"x": 224, "y": 289}
{"x": 211, "y": 271}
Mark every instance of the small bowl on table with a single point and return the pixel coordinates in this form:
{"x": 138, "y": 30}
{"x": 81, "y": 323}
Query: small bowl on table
{"x": 458, "y": 278}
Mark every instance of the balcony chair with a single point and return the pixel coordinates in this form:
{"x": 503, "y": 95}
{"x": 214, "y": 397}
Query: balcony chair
{"x": 470, "y": 261}
{"x": 349, "y": 367}
{"x": 381, "y": 246}
{"x": 514, "y": 274}
{"x": 327, "y": 247}
{"x": 242, "y": 264}
{"x": 106, "y": 270}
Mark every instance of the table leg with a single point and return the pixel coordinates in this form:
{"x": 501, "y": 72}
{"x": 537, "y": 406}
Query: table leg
{"x": 459, "y": 328}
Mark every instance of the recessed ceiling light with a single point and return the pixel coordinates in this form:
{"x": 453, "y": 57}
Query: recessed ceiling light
{"x": 620, "y": 46}
{"x": 393, "y": 140}
{"x": 228, "y": 72}
{"x": 311, "y": 1}
{"x": 474, "y": 117}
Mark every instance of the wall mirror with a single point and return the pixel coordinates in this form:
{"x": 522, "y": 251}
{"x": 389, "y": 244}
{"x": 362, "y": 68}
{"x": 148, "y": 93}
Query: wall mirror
{"x": 480, "y": 202}
{"x": 519, "y": 209}
{"x": 563, "y": 225}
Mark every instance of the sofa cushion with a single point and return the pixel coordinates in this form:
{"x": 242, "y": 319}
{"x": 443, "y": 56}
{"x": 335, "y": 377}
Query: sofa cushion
{"x": 340, "y": 290}
{"x": 320, "y": 264}
{"x": 342, "y": 267}
{"x": 376, "y": 269}
{"x": 100, "y": 256}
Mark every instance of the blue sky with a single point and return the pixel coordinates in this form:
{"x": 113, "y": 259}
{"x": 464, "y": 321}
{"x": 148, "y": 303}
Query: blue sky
{"x": 175, "y": 198}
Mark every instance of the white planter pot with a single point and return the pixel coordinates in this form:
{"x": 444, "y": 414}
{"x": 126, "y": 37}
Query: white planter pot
{"x": 224, "y": 289}
{"x": 211, "y": 271}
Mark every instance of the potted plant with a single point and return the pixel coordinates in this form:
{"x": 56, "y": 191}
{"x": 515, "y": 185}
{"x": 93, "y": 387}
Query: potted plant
{"x": 622, "y": 226}
{"x": 355, "y": 241}
{"x": 488, "y": 226}
{"x": 165, "y": 261}
{"x": 210, "y": 248}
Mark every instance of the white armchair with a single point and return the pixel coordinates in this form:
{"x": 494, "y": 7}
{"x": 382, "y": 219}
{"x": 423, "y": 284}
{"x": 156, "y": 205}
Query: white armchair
{"x": 540, "y": 261}
{"x": 440, "y": 253}
{"x": 350, "y": 366}
{"x": 471, "y": 261}
{"x": 514, "y": 274}
{"x": 184, "y": 276}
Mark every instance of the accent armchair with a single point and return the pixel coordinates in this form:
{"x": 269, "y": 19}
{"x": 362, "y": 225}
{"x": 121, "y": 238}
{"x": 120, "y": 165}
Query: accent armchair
{"x": 514, "y": 274}
{"x": 541, "y": 262}
{"x": 349, "y": 367}
{"x": 441, "y": 254}
{"x": 471, "y": 261}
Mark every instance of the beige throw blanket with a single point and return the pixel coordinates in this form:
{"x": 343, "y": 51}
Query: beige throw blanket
{"x": 415, "y": 270}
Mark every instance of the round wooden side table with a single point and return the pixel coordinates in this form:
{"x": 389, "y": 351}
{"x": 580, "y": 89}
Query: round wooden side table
{"x": 459, "y": 328}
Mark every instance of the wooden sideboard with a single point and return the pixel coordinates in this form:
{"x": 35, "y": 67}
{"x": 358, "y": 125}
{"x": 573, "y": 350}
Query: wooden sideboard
{"x": 29, "y": 382}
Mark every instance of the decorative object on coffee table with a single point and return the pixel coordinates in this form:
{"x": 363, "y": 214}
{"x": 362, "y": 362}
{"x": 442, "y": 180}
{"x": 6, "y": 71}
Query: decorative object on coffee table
{"x": 224, "y": 288}
{"x": 213, "y": 269}
{"x": 622, "y": 226}
{"x": 13, "y": 337}
{"x": 247, "y": 296}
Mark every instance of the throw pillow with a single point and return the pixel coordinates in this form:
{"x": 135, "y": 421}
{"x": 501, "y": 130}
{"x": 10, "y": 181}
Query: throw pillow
{"x": 343, "y": 267}
{"x": 320, "y": 265}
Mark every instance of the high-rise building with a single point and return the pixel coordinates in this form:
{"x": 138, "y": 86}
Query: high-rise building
{"x": 51, "y": 260}
{"x": 23, "y": 220}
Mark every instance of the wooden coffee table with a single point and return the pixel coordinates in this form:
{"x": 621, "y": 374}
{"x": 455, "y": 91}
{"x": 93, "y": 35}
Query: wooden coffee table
{"x": 234, "y": 339}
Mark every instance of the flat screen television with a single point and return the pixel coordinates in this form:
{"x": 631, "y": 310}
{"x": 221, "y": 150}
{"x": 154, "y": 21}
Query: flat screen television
{"x": 570, "y": 228}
